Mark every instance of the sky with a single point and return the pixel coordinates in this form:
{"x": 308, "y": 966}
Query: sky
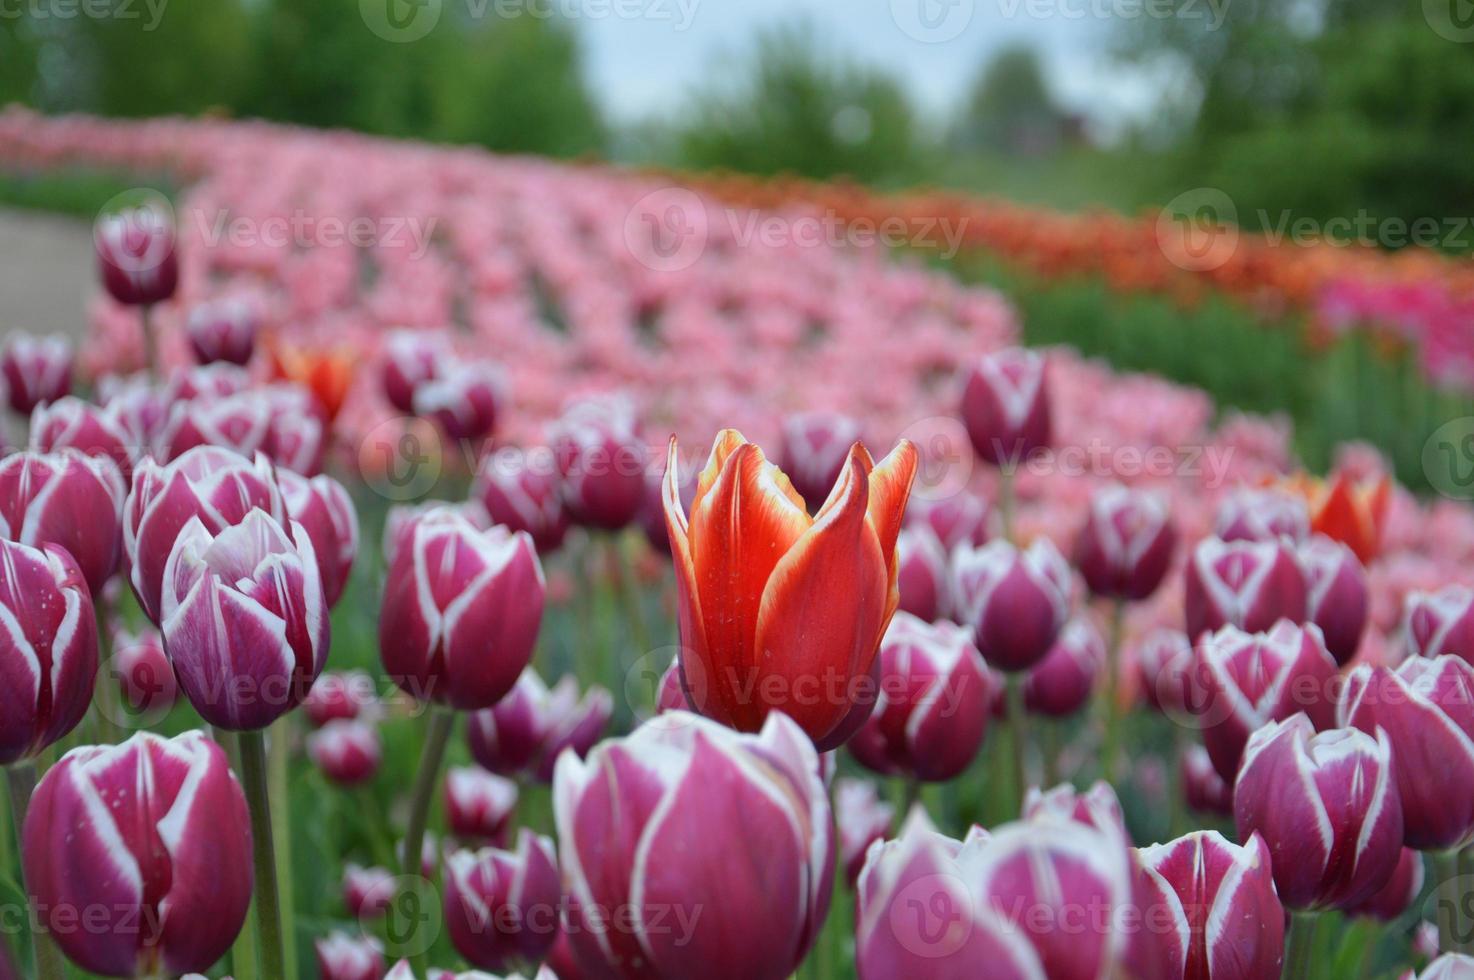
{"x": 644, "y": 56}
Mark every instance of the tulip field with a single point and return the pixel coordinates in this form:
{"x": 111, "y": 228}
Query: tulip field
{"x": 435, "y": 564}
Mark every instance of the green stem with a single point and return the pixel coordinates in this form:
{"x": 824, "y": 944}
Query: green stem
{"x": 1445, "y": 868}
{"x": 107, "y": 704}
{"x": 1466, "y": 876}
{"x": 1005, "y": 499}
{"x": 1299, "y": 946}
{"x": 912, "y": 797}
{"x": 1111, "y": 761}
{"x": 243, "y": 950}
{"x": 22, "y": 779}
{"x": 268, "y": 903}
{"x": 150, "y": 342}
{"x": 278, "y": 755}
{"x": 442, "y": 720}
{"x": 630, "y": 587}
{"x": 1018, "y": 734}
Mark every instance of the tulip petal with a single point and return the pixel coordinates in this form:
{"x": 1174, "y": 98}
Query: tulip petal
{"x": 727, "y": 442}
{"x": 890, "y": 489}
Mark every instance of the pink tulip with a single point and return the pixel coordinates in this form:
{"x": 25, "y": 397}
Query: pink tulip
{"x": 961, "y": 518}
{"x": 1337, "y": 594}
{"x": 686, "y": 814}
{"x": 240, "y": 422}
{"x": 1426, "y": 710}
{"x": 244, "y": 619}
{"x": 411, "y": 358}
{"x": 66, "y": 499}
{"x": 1222, "y": 899}
{"x": 1400, "y": 892}
{"x": 1127, "y": 543}
{"x": 367, "y": 892}
{"x": 143, "y": 672}
{"x": 862, "y": 818}
{"x": 461, "y": 611}
{"x": 214, "y": 485}
{"x": 1247, "y": 584}
{"x": 923, "y": 573}
{"x": 342, "y": 956}
{"x": 297, "y": 431}
{"x": 403, "y": 517}
{"x": 168, "y": 821}
{"x": 932, "y": 711}
{"x": 464, "y": 399}
{"x": 502, "y": 907}
{"x": 334, "y": 696}
{"x": 140, "y": 408}
{"x": 527, "y": 730}
{"x": 327, "y": 514}
{"x": 603, "y": 459}
{"x": 48, "y": 653}
{"x": 223, "y": 330}
{"x": 1436, "y": 623}
{"x": 671, "y": 696}
{"x": 137, "y": 255}
{"x": 36, "y": 370}
{"x": 1016, "y": 602}
{"x": 1263, "y": 515}
{"x": 1098, "y": 807}
{"x": 71, "y": 423}
{"x": 1326, "y": 804}
{"x": 1061, "y": 683}
{"x": 1203, "y": 789}
{"x": 1005, "y": 405}
{"x": 816, "y": 446}
{"x": 1165, "y": 662}
{"x": 346, "y": 752}
{"x": 478, "y": 804}
{"x": 1251, "y": 679}
{"x": 522, "y": 490}
{"x": 218, "y": 380}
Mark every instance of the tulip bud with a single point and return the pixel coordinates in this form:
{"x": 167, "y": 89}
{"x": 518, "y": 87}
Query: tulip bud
{"x": 1425, "y": 708}
{"x": 794, "y": 623}
{"x": 71, "y": 423}
{"x": 367, "y": 892}
{"x": 1204, "y": 790}
{"x": 1326, "y": 805}
{"x": 223, "y": 330}
{"x": 239, "y": 422}
{"x": 1337, "y": 594}
{"x": 244, "y": 619}
{"x": 478, "y": 805}
{"x": 36, "y": 370}
{"x": 137, "y": 255}
{"x": 461, "y": 611}
{"x": 1222, "y": 899}
{"x": 1015, "y": 601}
{"x": 959, "y": 519}
{"x": 862, "y": 819}
{"x": 923, "y": 573}
{"x": 1164, "y": 662}
{"x": 933, "y": 708}
{"x": 140, "y": 408}
{"x": 1262, "y": 515}
{"x": 214, "y": 485}
{"x": 815, "y": 448}
{"x": 671, "y": 696}
{"x": 339, "y": 696}
{"x": 297, "y": 430}
{"x": 1098, "y": 807}
{"x": 1436, "y": 623}
{"x": 602, "y": 459}
{"x": 1251, "y": 679}
{"x": 526, "y": 731}
{"x": 167, "y": 822}
{"x": 1005, "y": 405}
{"x": 1127, "y": 544}
{"x": 502, "y": 907}
{"x": 347, "y": 752}
{"x": 326, "y": 512}
{"x": 143, "y": 672}
{"x": 1061, "y": 683}
{"x": 216, "y": 380}
{"x": 1398, "y": 895}
{"x": 402, "y": 518}
{"x": 48, "y": 649}
{"x": 65, "y": 499}
{"x": 464, "y": 399}
{"x": 521, "y": 489}
{"x": 344, "y": 957}
{"x": 411, "y": 357}
{"x": 1247, "y": 584}
{"x": 696, "y": 816}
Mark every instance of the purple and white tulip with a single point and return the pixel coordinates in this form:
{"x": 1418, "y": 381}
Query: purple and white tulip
{"x": 1248, "y": 584}
{"x": 1126, "y": 546}
{"x": 1015, "y": 602}
{"x": 69, "y": 500}
{"x": 1005, "y": 405}
{"x": 502, "y": 907}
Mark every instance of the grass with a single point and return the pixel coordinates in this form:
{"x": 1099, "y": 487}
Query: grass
{"x": 75, "y": 192}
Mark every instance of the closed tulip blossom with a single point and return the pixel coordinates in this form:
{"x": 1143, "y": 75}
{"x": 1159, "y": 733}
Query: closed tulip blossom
{"x": 1248, "y": 584}
{"x": 138, "y": 405}
{"x": 297, "y": 431}
{"x": 240, "y": 422}
{"x": 779, "y": 610}
{"x": 815, "y": 447}
{"x": 244, "y": 619}
{"x": 1203, "y": 789}
{"x": 1263, "y": 515}
{"x": 1400, "y": 892}
{"x": 327, "y": 514}
{"x": 1126, "y": 546}
{"x": 933, "y": 706}
{"x": 602, "y": 458}
{"x": 1016, "y": 602}
{"x": 214, "y": 485}
{"x": 1005, "y": 406}
{"x": 36, "y": 370}
{"x": 48, "y": 650}
{"x": 71, "y": 423}
{"x": 461, "y": 611}
{"x": 218, "y": 380}
{"x": 526, "y": 731}
{"x": 728, "y": 834}
{"x": 1337, "y": 594}
{"x": 478, "y": 804}
{"x": 1436, "y": 623}
{"x": 1097, "y": 807}
{"x": 223, "y": 330}
{"x": 65, "y": 499}
{"x": 143, "y": 672}
{"x": 167, "y": 821}
{"x": 137, "y": 255}
{"x": 522, "y": 490}
{"x": 1426, "y": 710}
{"x": 342, "y": 956}
{"x": 1251, "y": 679}
{"x": 1061, "y": 683}
{"x": 367, "y": 892}
{"x": 922, "y": 577}
{"x": 464, "y": 400}
{"x": 411, "y": 358}
{"x": 961, "y": 518}
{"x": 502, "y": 907}
{"x": 862, "y": 818}
{"x": 347, "y": 696}
{"x": 1339, "y": 784}
{"x": 1222, "y": 897}
{"x": 403, "y": 517}
{"x": 346, "y": 752}
{"x": 1165, "y": 664}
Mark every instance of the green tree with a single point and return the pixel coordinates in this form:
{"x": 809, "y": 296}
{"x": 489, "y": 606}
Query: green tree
{"x": 1011, "y": 108}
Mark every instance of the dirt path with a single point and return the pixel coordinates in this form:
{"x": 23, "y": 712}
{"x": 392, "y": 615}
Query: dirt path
{"x": 46, "y": 272}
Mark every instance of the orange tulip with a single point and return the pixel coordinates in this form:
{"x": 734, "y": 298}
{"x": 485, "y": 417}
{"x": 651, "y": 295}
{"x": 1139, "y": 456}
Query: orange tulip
{"x": 326, "y": 371}
{"x": 1348, "y": 512}
{"x": 779, "y": 610}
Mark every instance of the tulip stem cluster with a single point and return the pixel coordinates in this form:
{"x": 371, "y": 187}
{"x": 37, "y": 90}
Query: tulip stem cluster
{"x": 22, "y": 779}
{"x": 437, "y": 736}
{"x": 268, "y": 905}
{"x": 1111, "y": 751}
{"x": 1017, "y": 737}
{"x": 278, "y": 757}
{"x": 1299, "y": 945}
